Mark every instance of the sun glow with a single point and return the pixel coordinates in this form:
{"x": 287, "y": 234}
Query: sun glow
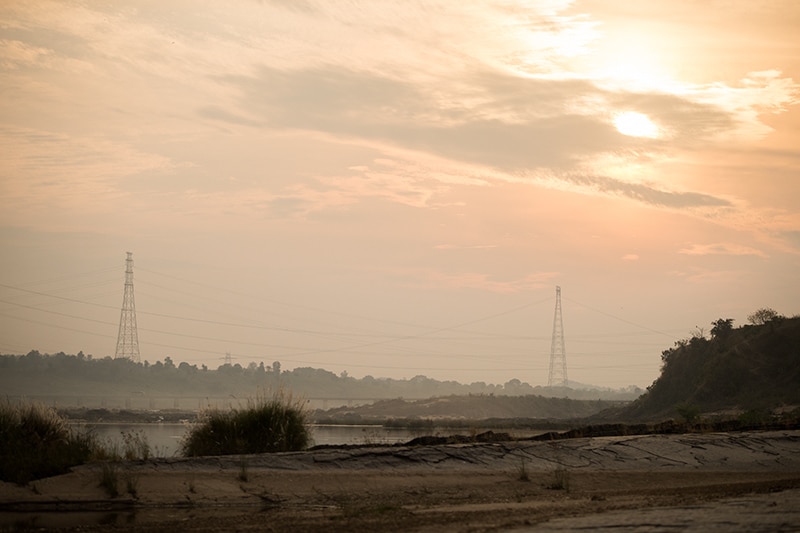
{"x": 630, "y": 59}
{"x": 635, "y": 124}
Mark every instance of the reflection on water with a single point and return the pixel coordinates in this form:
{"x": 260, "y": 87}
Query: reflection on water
{"x": 142, "y": 519}
{"x": 14, "y": 521}
{"x": 165, "y": 439}
{"x": 366, "y": 434}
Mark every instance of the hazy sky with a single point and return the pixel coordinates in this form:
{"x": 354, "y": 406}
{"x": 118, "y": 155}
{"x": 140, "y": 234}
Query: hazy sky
{"x": 396, "y": 188}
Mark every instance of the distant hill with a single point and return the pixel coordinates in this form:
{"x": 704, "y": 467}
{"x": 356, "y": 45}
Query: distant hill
{"x": 734, "y": 370}
{"x": 467, "y": 407}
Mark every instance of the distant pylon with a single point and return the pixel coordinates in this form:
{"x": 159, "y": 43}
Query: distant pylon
{"x": 128, "y": 336}
{"x": 558, "y": 357}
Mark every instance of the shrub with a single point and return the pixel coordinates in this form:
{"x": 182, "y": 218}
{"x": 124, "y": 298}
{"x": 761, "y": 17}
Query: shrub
{"x": 560, "y": 479}
{"x": 35, "y": 442}
{"x": 109, "y": 479}
{"x": 276, "y": 425}
{"x": 689, "y": 412}
{"x": 135, "y": 445}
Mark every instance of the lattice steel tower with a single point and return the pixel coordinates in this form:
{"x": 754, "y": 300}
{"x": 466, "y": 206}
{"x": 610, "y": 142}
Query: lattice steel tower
{"x": 128, "y": 337}
{"x": 558, "y": 357}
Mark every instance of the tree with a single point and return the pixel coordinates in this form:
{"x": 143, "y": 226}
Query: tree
{"x": 698, "y": 333}
{"x": 721, "y": 327}
{"x": 762, "y": 316}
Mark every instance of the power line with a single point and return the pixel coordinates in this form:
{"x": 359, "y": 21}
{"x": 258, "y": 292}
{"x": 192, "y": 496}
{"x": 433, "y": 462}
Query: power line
{"x": 620, "y": 319}
{"x": 385, "y": 338}
{"x": 429, "y": 333}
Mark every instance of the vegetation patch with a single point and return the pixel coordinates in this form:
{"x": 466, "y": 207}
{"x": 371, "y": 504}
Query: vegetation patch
{"x": 753, "y": 368}
{"x": 274, "y": 425}
{"x": 35, "y": 442}
{"x": 109, "y": 479}
{"x": 560, "y": 479}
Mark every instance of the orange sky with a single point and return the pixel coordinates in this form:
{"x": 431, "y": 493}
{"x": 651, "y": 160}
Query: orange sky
{"x": 396, "y": 189}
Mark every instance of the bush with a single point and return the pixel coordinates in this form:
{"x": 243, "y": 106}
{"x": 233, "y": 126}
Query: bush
{"x": 276, "y": 425}
{"x": 689, "y": 412}
{"x": 35, "y": 442}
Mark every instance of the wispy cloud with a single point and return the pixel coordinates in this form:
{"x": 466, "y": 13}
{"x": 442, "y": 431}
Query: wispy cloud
{"x": 700, "y": 275}
{"x": 44, "y": 171}
{"x": 647, "y": 193}
{"x": 721, "y": 249}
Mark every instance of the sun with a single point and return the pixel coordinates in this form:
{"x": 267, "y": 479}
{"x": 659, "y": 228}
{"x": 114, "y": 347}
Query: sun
{"x": 636, "y": 124}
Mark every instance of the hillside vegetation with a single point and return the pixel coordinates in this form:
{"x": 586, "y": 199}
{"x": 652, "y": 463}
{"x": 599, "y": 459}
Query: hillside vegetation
{"x": 752, "y": 368}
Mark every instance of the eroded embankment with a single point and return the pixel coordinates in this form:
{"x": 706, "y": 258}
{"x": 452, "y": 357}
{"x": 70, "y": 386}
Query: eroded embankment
{"x": 484, "y": 485}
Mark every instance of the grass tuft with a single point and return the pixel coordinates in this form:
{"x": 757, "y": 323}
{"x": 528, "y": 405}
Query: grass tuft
{"x": 109, "y": 479}
{"x": 274, "y": 425}
{"x": 132, "y": 484}
{"x": 135, "y": 445}
{"x": 243, "y": 474}
{"x": 560, "y": 479}
{"x": 35, "y": 442}
{"x": 522, "y": 471}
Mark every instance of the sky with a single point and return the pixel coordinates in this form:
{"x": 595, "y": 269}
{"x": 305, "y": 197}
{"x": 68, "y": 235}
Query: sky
{"x": 397, "y": 188}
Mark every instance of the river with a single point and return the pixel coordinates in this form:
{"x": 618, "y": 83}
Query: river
{"x": 165, "y": 439}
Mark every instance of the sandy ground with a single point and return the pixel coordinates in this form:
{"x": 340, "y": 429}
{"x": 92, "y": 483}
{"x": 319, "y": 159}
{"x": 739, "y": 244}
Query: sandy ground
{"x": 696, "y": 482}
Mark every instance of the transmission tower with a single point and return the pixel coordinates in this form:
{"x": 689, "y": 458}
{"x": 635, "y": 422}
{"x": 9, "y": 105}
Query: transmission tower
{"x": 558, "y": 357}
{"x": 128, "y": 337}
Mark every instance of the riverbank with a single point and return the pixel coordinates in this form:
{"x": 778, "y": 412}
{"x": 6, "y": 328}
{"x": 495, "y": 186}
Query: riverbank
{"x": 451, "y": 487}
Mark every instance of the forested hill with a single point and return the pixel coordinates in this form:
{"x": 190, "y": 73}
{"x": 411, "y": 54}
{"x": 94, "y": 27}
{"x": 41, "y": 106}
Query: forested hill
{"x": 750, "y": 368}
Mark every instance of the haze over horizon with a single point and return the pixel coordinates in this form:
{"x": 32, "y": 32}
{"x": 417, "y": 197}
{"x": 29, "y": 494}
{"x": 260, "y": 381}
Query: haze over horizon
{"x": 396, "y": 189}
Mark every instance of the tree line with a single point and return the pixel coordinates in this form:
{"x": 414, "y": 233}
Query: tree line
{"x": 63, "y": 374}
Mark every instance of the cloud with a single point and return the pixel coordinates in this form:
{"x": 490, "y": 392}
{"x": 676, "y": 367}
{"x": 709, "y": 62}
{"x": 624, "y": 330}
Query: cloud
{"x": 755, "y": 94}
{"x": 292, "y": 202}
{"x": 721, "y": 249}
{"x": 509, "y": 123}
{"x": 215, "y": 112}
{"x": 55, "y": 171}
{"x": 502, "y": 133}
{"x": 447, "y": 94}
{"x": 630, "y": 257}
{"x": 705, "y": 275}
{"x": 647, "y": 193}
